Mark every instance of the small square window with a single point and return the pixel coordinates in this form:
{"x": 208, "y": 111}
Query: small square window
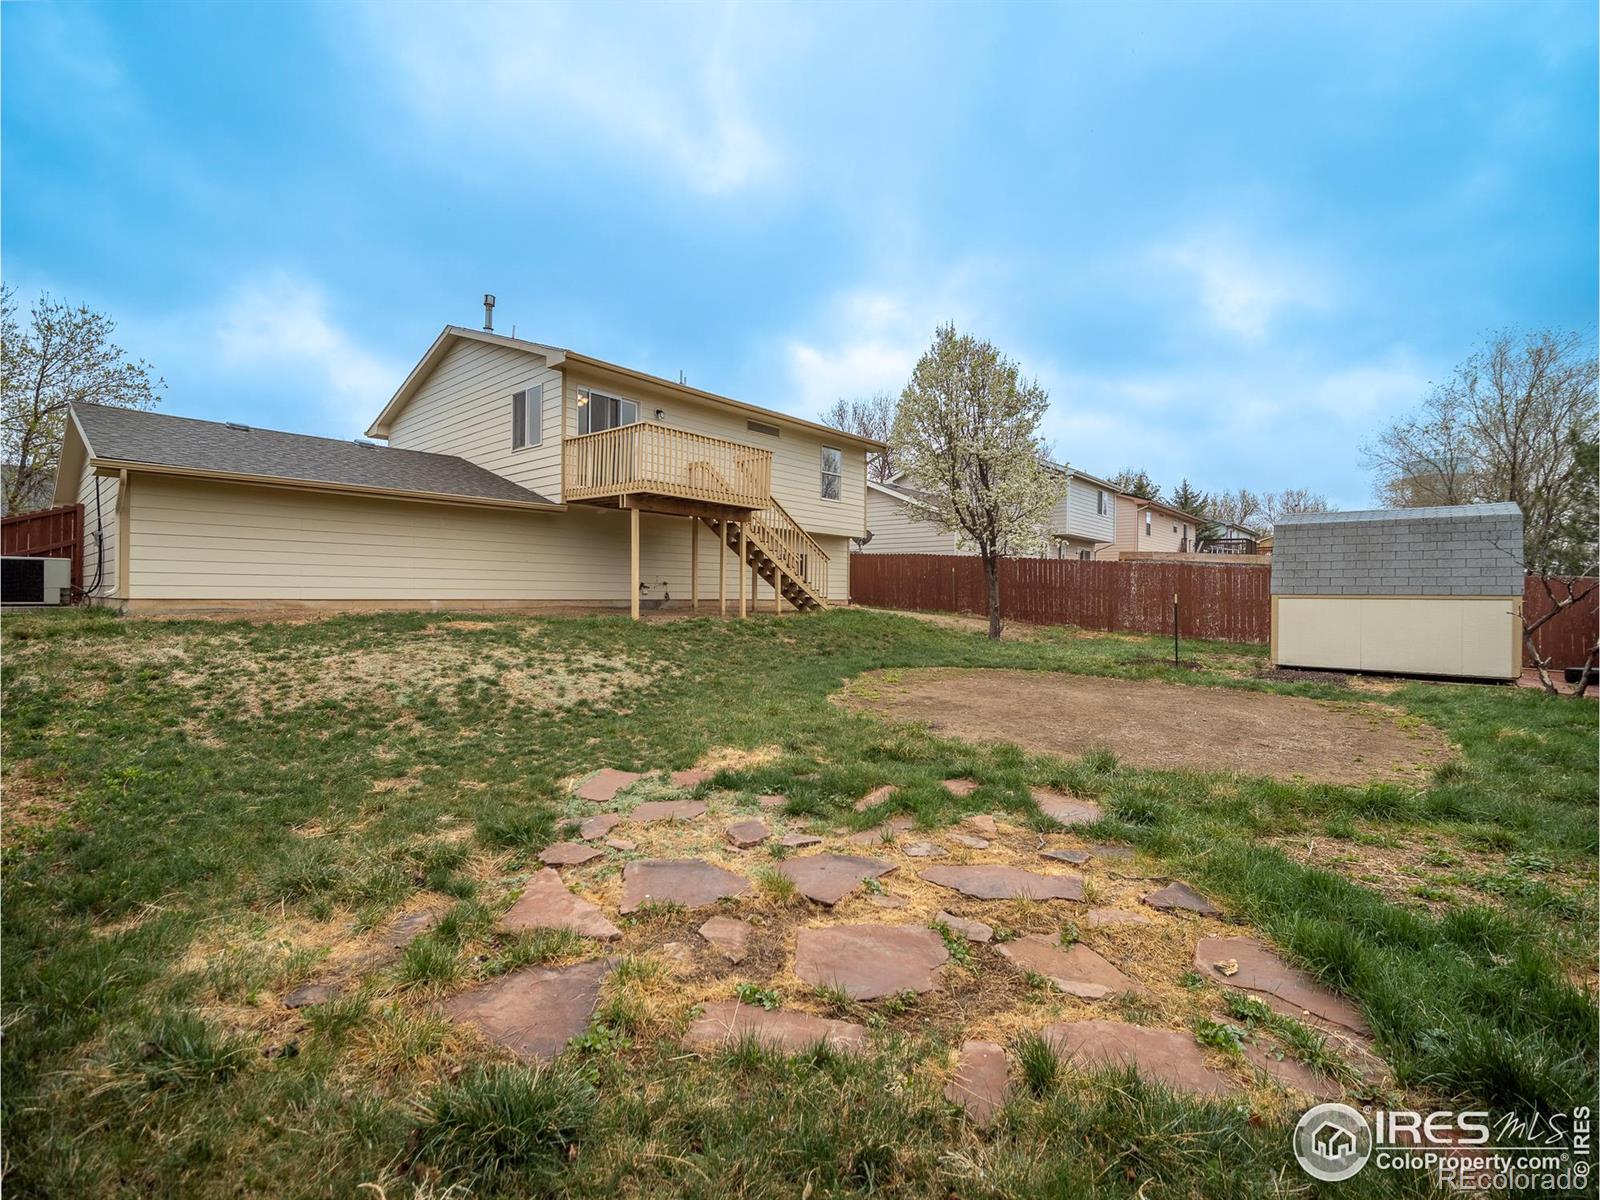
{"x": 832, "y": 473}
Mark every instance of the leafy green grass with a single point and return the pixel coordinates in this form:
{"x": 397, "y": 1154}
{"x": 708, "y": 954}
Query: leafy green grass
{"x": 155, "y": 810}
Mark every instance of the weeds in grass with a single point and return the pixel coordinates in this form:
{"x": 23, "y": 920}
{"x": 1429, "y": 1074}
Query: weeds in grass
{"x": 1037, "y": 1060}
{"x": 1219, "y": 1035}
{"x": 776, "y": 887}
{"x": 760, "y": 997}
{"x": 499, "y": 1121}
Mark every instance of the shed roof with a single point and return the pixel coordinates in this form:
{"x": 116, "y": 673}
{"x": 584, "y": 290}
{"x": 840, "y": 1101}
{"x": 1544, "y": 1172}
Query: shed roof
{"x": 186, "y": 445}
{"x": 1447, "y": 512}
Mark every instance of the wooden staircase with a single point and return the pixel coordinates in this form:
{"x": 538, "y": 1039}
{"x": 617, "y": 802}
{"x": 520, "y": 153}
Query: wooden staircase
{"x": 784, "y": 555}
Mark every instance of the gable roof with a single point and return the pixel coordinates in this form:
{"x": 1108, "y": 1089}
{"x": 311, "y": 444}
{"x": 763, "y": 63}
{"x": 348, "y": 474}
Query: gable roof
{"x": 127, "y": 437}
{"x": 556, "y": 356}
{"x": 1141, "y": 502}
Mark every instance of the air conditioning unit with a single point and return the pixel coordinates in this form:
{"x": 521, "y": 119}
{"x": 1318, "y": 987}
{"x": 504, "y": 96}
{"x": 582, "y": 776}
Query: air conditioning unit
{"x": 34, "y": 580}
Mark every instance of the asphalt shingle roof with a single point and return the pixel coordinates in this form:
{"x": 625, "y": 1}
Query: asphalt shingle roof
{"x": 160, "y": 439}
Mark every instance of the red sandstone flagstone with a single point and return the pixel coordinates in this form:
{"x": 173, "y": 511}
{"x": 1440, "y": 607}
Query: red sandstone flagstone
{"x": 868, "y": 962}
{"x": 745, "y": 834}
{"x": 829, "y": 878}
{"x": 568, "y": 854}
{"x": 1290, "y": 1073}
{"x": 796, "y": 840}
{"x": 1068, "y": 810}
{"x": 1163, "y": 1055}
{"x": 729, "y": 1022}
{"x": 991, "y": 881}
{"x": 728, "y": 935}
{"x": 973, "y": 931}
{"x": 1076, "y": 857}
{"x": 960, "y": 787}
{"x": 875, "y": 796}
{"x": 971, "y": 843}
{"x": 886, "y": 832}
{"x": 981, "y": 1082}
{"x": 690, "y": 882}
{"x": 1098, "y": 918}
{"x": 1261, "y": 970}
{"x": 690, "y": 779}
{"x": 599, "y": 825}
{"x": 533, "y": 1012}
{"x": 1181, "y": 897}
{"x": 547, "y": 903}
{"x": 1076, "y": 970}
{"x": 772, "y": 801}
{"x": 604, "y": 785}
{"x": 667, "y": 810}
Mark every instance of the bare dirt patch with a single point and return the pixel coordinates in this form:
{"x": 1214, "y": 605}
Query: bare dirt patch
{"x": 1161, "y": 725}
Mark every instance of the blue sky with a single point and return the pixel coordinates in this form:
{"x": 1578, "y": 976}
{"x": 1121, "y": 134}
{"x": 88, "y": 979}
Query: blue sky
{"x": 1230, "y": 239}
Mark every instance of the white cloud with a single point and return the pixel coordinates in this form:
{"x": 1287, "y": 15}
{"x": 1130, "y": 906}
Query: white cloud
{"x": 666, "y": 84}
{"x": 279, "y": 323}
{"x": 1243, "y": 291}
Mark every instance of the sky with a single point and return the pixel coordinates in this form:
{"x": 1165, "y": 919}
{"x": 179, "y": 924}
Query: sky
{"x": 1230, "y": 240}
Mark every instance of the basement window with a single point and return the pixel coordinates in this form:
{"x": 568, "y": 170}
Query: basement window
{"x": 832, "y": 473}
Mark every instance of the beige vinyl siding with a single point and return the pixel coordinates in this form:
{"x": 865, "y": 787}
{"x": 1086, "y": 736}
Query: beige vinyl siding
{"x": 1075, "y": 514}
{"x": 105, "y": 524}
{"x": 464, "y": 408}
{"x": 198, "y": 541}
{"x": 796, "y": 453}
{"x": 897, "y": 530}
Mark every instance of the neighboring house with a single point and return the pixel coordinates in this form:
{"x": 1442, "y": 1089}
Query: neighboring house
{"x": 1148, "y": 526}
{"x": 898, "y": 523}
{"x": 899, "y": 520}
{"x": 516, "y": 474}
{"x": 1227, "y": 538}
{"x": 1084, "y": 519}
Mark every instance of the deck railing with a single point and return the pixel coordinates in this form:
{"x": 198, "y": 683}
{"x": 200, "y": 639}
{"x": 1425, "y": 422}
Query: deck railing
{"x": 649, "y": 459}
{"x": 792, "y": 548}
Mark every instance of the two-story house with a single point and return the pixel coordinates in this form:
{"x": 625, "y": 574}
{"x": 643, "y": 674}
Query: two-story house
{"x": 515, "y": 475}
{"x": 1148, "y": 526}
{"x": 1081, "y": 522}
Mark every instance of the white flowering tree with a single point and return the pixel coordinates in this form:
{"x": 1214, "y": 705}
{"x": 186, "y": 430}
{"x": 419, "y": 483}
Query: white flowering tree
{"x": 967, "y": 433}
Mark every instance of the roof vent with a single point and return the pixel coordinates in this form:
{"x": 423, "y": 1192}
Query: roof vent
{"x": 488, "y": 312}
{"x": 368, "y": 445}
{"x": 236, "y": 425}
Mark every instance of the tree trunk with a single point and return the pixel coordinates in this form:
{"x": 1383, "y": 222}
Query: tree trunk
{"x": 991, "y": 576}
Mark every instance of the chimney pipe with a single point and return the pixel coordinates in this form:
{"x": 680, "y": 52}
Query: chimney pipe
{"x": 488, "y": 313}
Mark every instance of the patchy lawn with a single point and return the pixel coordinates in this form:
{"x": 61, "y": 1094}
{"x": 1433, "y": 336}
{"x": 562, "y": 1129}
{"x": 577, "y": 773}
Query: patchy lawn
{"x": 202, "y": 817}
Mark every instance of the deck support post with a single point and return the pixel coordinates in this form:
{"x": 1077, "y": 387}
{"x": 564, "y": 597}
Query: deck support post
{"x": 739, "y": 570}
{"x": 777, "y": 591}
{"x": 722, "y": 569}
{"x": 755, "y": 584}
{"x": 694, "y": 564}
{"x": 633, "y": 562}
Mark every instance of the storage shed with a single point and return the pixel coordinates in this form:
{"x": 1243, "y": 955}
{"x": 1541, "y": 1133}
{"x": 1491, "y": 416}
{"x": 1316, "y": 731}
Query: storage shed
{"x": 1415, "y": 591}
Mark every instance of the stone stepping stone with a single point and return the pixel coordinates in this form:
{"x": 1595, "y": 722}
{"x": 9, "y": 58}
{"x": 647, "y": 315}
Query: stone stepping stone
{"x": 829, "y": 878}
{"x": 924, "y": 850}
{"x": 1260, "y": 970}
{"x": 885, "y": 901}
{"x": 1065, "y": 809}
{"x": 1112, "y": 853}
{"x": 691, "y": 882}
{"x": 604, "y": 785}
{"x": 981, "y": 1083}
{"x": 1163, "y": 1055}
{"x": 1180, "y": 897}
{"x": 772, "y": 801}
{"x": 993, "y": 882}
{"x": 982, "y": 822}
{"x": 728, "y": 935}
{"x": 667, "y": 810}
{"x": 1076, "y": 970}
{"x": 1076, "y": 857}
{"x": 868, "y": 962}
{"x": 568, "y": 854}
{"x": 875, "y": 796}
{"x": 745, "y": 834}
{"x": 677, "y": 955}
{"x": 1290, "y": 1073}
{"x": 533, "y": 1012}
{"x": 690, "y": 779}
{"x": 599, "y": 825}
{"x": 796, "y": 840}
{"x": 621, "y": 844}
{"x": 960, "y": 787}
{"x": 973, "y": 931}
{"x": 729, "y": 1023}
{"x": 1100, "y": 918}
{"x": 547, "y": 903}
{"x": 407, "y": 929}
{"x": 971, "y": 843}
{"x": 887, "y": 832}
{"x": 308, "y": 994}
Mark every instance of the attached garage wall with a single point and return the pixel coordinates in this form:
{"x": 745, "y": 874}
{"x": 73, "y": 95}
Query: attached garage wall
{"x": 194, "y": 543}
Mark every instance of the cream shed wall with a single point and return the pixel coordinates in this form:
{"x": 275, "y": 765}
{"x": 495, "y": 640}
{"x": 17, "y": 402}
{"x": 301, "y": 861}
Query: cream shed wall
{"x": 195, "y": 542}
{"x": 105, "y": 522}
{"x": 896, "y": 530}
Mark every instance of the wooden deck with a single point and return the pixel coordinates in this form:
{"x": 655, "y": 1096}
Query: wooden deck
{"x": 644, "y": 459}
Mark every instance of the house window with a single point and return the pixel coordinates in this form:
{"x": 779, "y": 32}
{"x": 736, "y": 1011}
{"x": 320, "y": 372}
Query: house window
{"x": 597, "y": 411}
{"x": 763, "y": 427}
{"x": 527, "y": 412}
{"x": 1147, "y": 524}
{"x": 1084, "y": 555}
{"x": 832, "y": 473}
{"x": 1100, "y": 504}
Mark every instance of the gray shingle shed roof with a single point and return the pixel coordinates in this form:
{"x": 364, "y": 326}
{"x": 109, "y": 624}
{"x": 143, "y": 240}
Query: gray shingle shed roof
{"x": 1459, "y": 550}
{"x": 128, "y": 435}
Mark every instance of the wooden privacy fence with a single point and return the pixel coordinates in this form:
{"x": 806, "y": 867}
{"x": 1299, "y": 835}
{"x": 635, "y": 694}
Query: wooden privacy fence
{"x": 1226, "y": 602}
{"x": 1567, "y": 640}
{"x": 48, "y": 533}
